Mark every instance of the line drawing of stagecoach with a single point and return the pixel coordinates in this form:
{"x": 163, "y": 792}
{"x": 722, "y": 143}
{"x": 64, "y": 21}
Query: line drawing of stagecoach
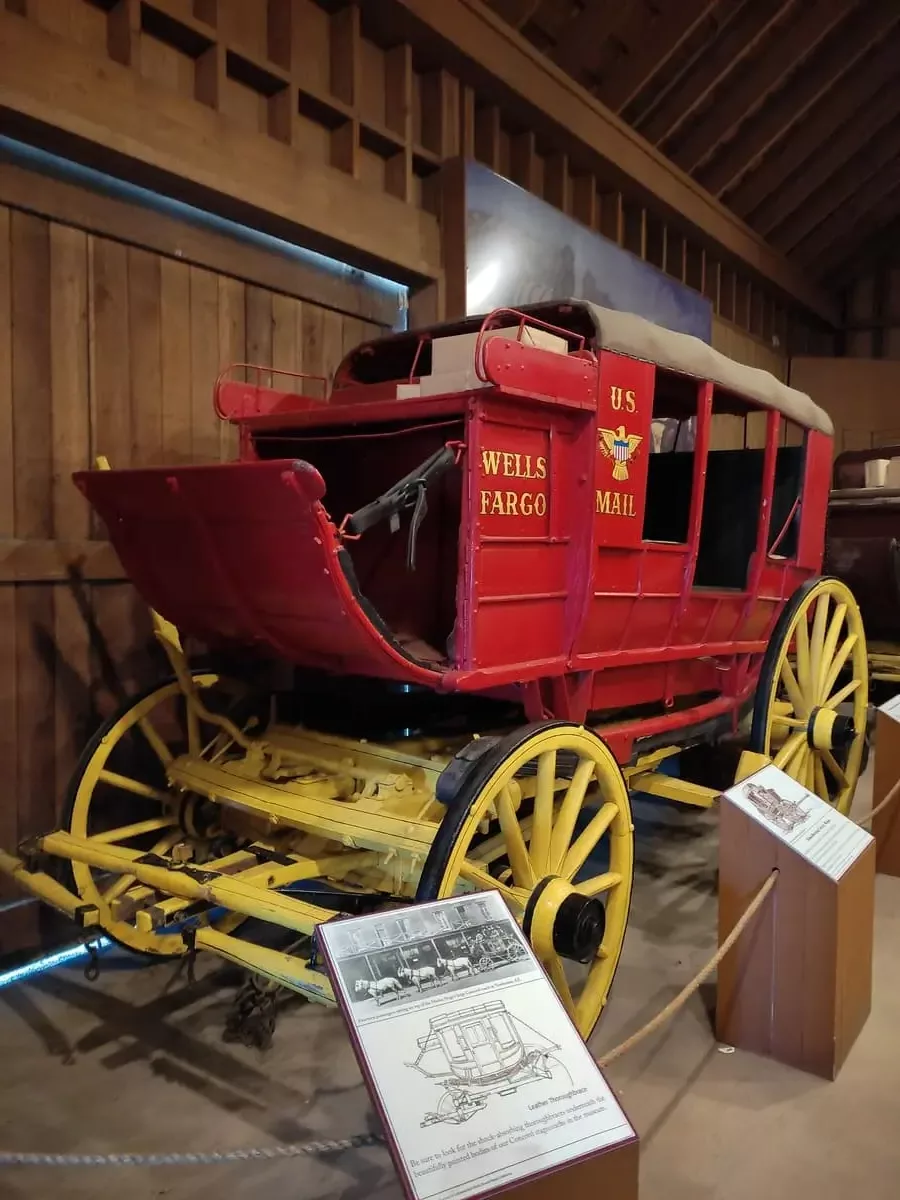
{"x": 783, "y": 813}
{"x": 482, "y": 1051}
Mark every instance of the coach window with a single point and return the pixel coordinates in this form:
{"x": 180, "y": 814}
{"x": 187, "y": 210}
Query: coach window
{"x": 790, "y": 459}
{"x": 732, "y": 498}
{"x": 670, "y": 467}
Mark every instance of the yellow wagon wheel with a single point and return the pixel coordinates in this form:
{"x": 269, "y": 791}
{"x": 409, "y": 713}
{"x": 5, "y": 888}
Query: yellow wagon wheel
{"x": 120, "y": 794}
{"x": 811, "y": 708}
{"x": 543, "y": 817}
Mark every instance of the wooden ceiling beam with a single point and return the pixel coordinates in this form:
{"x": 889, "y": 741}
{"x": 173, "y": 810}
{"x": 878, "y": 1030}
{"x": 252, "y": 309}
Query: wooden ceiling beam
{"x": 822, "y": 124}
{"x": 664, "y": 35}
{"x": 100, "y": 113}
{"x": 839, "y": 189}
{"x": 737, "y": 38}
{"x": 818, "y": 176}
{"x": 846, "y": 228}
{"x": 795, "y": 41}
{"x": 847, "y": 44}
{"x": 507, "y": 71}
{"x": 582, "y": 36}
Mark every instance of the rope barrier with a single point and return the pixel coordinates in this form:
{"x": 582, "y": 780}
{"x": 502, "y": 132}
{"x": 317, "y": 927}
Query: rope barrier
{"x": 316, "y": 1149}
{"x": 889, "y": 799}
{"x": 210, "y": 1158}
{"x": 702, "y": 975}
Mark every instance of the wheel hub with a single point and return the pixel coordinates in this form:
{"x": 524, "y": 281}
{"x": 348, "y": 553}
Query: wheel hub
{"x": 829, "y": 730}
{"x": 561, "y": 920}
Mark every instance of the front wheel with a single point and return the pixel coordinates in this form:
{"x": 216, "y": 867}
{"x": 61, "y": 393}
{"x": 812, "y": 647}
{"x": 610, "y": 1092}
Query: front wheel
{"x": 811, "y": 707}
{"x": 543, "y": 817}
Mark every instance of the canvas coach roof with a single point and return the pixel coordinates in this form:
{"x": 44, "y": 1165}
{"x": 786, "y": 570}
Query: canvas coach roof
{"x": 625, "y": 333}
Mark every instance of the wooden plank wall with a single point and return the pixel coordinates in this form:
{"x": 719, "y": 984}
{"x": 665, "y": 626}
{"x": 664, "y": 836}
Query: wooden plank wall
{"x": 105, "y": 348}
{"x": 326, "y": 79}
{"x": 860, "y": 394}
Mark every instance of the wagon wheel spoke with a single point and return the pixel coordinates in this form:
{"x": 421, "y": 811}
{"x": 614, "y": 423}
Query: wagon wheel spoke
{"x": 802, "y": 639}
{"x": 158, "y": 745}
{"x": 542, "y": 829}
{"x": 820, "y": 787}
{"x": 839, "y": 697}
{"x": 834, "y": 767}
{"x": 486, "y": 882}
{"x": 557, "y": 973}
{"x": 831, "y": 640}
{"x": 126, "y": 784}
{"x": 790, "y": 750}
{"x": 519, "y": 860}
{"x": 817, "y": 642}
{"x": 839, "y": 662}
{"x": 792, "y": 687}
{"x": 582, "y": 847}
{"x": 599, "y": 883}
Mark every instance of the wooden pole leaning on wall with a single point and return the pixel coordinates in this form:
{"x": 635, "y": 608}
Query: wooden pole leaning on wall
{"x": 797, "y": 987}
{"x": 886, "y": 789}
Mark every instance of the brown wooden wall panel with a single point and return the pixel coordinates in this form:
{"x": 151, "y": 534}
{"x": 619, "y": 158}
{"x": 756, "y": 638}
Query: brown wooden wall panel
{"x": 105, "y": 348}
{"x": 357, "y": 92}
{"x": 859, "y": 394}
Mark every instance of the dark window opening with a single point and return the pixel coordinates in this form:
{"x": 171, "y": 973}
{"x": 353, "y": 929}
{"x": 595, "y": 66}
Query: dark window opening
{"x": 670, "y": 469}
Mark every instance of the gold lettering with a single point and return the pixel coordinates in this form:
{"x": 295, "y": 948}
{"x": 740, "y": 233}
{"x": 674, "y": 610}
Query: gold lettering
{"x": 490, "y": 461}
{"x": 629, "y": 401}
{"x": 512, "y": 502}
{"x": 540, "y": 504}
{"x": 541, "y": 468}
{"x": 526, "y": 504}
{"x": 615, "y": 504}
{"x": 615, "y": 397}
{"x": 485, "y": 501}
{"x": 508, "y": 463}
{"x": 497, "y": 508}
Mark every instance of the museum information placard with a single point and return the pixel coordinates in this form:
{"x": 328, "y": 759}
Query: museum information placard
{"x": 479, "y": 1075}
{"x": 817, "y": 832}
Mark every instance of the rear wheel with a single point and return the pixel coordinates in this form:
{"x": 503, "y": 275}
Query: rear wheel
{"x": 811, "y": 707}
{"x": 120, "y": 795}
{"x": 544, "y": 818}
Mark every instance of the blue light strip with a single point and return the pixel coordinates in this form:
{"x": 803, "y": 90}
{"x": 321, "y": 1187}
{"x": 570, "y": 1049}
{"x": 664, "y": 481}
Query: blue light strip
{"x": 50, "y": 962}
{"x": 63, "y": 168}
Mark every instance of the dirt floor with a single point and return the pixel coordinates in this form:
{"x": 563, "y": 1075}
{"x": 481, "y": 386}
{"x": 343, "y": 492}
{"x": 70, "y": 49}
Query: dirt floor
{"x": 135, "y": 1062}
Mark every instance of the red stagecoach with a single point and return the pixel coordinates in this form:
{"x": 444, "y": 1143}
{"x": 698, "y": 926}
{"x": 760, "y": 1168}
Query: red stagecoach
{"x": 591, "y": 541}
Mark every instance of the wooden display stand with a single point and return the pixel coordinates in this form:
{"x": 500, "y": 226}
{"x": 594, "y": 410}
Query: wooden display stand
{"x": 886, "y": 824}
{"x": 612, "y": 1174}
{"x": 797, "y": 987}
{"x": 483, "y": 1084}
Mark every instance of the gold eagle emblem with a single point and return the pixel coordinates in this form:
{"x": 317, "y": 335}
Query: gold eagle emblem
{"x": 620, "y": 447}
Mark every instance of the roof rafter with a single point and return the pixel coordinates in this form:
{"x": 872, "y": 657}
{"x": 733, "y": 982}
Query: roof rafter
{"x": 826, "y": 119}
{"x": 587, "y": 32}
{"x": 858, "y": 132}
{"x": 737, "y": 38}
{"x": 666, "y": 33}
{"x": 796, "y": 42}
{"x": 841, "y": 188}
{"x": 870, "y": 205}
{"x": 845, "y": 47}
